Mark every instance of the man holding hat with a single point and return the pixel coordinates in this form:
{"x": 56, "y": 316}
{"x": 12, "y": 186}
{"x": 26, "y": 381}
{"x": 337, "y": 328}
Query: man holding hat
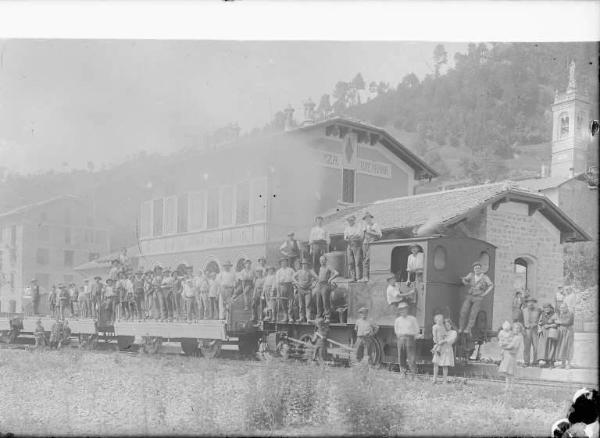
{"x": 365, "y": 328}
{"x": 304, "y": 280}
{"x": 479, "y": 286}
{"x": 353, "y": 235}
{"x": 372, "y": 233}
{"x": 290, "y": 249}
{"x": 226, "y": 281}
{"x": 318, "y": 241}
{"x": 406, "y": 328}
{"x": 284, "y": 282}
{"x": 531, "y": 316}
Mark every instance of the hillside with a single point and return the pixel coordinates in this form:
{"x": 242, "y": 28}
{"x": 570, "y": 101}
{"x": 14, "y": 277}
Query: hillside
{"x": 486, "y": 118}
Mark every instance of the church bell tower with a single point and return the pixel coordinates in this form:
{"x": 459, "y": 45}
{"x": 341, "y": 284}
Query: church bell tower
{"x": 570, "y": 119}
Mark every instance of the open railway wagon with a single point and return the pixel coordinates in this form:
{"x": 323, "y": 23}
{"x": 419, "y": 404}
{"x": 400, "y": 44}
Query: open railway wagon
{"x": 203, "y": 337}
{"x": 446, "y": 260}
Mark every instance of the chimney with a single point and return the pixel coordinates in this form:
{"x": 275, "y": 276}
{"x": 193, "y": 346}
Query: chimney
{"x": 309, "y": 112}
{"x": 289, "y": 118}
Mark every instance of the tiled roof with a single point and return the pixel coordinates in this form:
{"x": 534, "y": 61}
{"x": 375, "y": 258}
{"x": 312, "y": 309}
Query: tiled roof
{"x": 541, "y": 184}
{"x": 446, "y": 207}
{"x": 28, "y": 207}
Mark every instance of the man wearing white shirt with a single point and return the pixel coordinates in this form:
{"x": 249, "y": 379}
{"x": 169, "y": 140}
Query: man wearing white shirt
{"x": 353, "y": 235}
{"x": 406, "y": 328}
{"x": 414, "y": 264}
{"x": 570, "y": 299}
{"x": 372, "y": 233}
{"x": 318, "y": 241}
{"x": 283, "y": 281}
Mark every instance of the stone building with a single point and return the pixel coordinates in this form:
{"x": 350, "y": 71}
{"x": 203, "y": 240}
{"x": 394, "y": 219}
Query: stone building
{"x": 45, "y": 241}
{"x": 242, "y": 198}
{"x": 527, "y": 229}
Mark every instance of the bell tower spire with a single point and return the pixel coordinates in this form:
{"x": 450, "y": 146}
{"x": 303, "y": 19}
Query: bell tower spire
{"x": 570, "y": 119}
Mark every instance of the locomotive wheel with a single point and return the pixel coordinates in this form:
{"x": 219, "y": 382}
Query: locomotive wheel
{"x": 151, "y": 344}
{"x": 210, "y": 348}
{"x": 190, "y": 347}
{"x": 88, "y": 341}
{"x": 308, "y": 352}
{"x": 125, "y": 342}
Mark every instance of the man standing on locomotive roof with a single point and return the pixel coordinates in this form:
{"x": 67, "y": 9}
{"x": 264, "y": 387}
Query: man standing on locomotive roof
{"x": 226, "y": 281}
{"x": 283, "y": 280}
{"x": 305, "y": 280}
{"x": 318, "y": 241}
{"x": 372, "y": 233}
{"x": 290, "y": 249}
{"x": 406, "y": 328}
{"x": 479, "y": 286}
{"x": 354, "y": 234}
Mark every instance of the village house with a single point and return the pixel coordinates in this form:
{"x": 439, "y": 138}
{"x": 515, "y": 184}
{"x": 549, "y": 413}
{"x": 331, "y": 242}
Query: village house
{"x": 45, "y": 241}
{"x": 241, "y": 199}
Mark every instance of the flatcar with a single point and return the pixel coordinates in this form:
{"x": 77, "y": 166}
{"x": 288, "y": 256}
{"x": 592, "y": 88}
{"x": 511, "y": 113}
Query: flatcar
{"x": 446, "y": 260}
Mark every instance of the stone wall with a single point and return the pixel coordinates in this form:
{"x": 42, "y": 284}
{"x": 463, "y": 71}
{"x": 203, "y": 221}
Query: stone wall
{"x": 533, "y": 238}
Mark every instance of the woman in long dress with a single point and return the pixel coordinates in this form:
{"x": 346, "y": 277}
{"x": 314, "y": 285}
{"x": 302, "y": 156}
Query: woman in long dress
{"x": 566, "y": 336}
{"x": 509, "y": 354}
{"x": 445, "y": 358}
{"x": 547, "y": 325}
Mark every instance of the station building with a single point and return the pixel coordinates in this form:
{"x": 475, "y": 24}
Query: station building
{"x": 45, "y": 241}
{"x": 241, "y": 199}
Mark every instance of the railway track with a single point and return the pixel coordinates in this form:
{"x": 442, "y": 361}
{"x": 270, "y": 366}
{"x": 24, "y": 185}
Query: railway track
{"x": 112, "y": 347}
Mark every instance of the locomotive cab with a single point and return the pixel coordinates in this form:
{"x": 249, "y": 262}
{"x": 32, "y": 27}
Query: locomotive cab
{"x": 446, "y": 260}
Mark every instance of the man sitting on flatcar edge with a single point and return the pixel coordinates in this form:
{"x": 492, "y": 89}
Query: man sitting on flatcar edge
{"x": 479, "y": 286}
{"x": 365, "y": 330}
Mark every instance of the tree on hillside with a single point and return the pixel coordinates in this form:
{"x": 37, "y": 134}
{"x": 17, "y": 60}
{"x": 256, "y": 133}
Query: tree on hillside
{"x": 440, "y": 57}
{"x": 324, "y": 106}
{"x": 358, "y": 82}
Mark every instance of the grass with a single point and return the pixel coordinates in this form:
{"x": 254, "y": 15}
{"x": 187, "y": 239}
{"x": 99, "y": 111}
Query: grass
{"x": 70, "y": 392}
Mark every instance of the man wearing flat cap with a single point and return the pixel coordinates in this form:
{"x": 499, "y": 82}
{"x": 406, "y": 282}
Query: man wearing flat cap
{"x": 354, "y": 234}
{"x": 372, "y": 233}
{"x": 531, "y": 316}
{"x": 318, "y": 241}
{"x": 226, "y": 280}
{"x": 290, "y": 249}
{"x": 365, "y": 329}
{"x": 479, "y": 285}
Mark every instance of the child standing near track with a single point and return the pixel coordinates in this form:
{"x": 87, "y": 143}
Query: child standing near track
{"x": 445, "y": 356}
{"x": 509, "y": 355}
{"x": 438, "y": 332}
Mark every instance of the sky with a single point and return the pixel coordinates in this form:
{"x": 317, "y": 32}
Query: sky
{"x": 64, "y": 103}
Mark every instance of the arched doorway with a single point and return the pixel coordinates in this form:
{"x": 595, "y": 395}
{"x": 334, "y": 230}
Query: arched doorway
{"x": 524, "y": 274}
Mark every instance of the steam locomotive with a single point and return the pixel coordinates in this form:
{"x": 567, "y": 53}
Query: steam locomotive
{"x": 446, "y": 260}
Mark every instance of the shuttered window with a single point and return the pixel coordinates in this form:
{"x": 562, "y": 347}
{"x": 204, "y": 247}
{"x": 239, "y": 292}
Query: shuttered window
{"x": 171, "y": 215}
{"x": 146, "y": 219}
{"x": 157, "y": 217}
{"x": 348, "y": 181}
{"x": 182, "y": 213}
{"x": 197, "y": 207}
{"x": 242, "y": 210}
{"x": 212, "y": 207}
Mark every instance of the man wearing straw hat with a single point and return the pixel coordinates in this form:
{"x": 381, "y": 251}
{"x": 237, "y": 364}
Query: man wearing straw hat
{"x": 226, "y": 280}
{"x": 353, "y": 235}
{"x": 318, "y": 241}
{"x": 372, "y": 233}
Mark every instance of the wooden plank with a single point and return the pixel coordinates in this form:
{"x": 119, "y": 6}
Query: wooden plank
{"x": 208, "y": 329}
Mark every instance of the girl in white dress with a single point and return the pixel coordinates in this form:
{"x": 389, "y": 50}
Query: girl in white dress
{"x": 509, "y": 355}
{"x": 445, "y": 358}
